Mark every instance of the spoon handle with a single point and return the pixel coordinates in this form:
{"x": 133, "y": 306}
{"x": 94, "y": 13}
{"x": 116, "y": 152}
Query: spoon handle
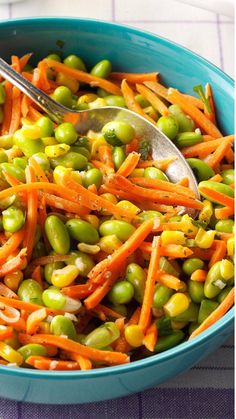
{"x": 45, "y": 102}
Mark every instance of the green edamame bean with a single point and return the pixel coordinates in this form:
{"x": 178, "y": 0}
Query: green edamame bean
{"x": 154, "y": 173}
{"x": 49, "y": 268}
{"x": 113, "y": 100}
{"x": 2, "y": 94}
{"x": 63, "y": 95}
{"x": 3, "y": 156}
{"x": 30, "y": 291}
{"x": 32, "y": 349}
{"x": 227, "y": 175}
{"x": 196, "y": 291}
{"x": 142, "y": 101}
{"x": 118, "y": 133}
{"x": 83, "y": 262}
{"x": 206, "y": 308}
{"x": 191, "y": 265}
{"x": 189, "y": 315}
{"x": 71, "y": 160}
{"x": 27, "y": 146}
{"x": 102, "y": 69}
{"x": 53, "y": 298}
{"x": 121, "y": 229}
{"x": 137, "y": 277}
{"x": 6, "y": 141}
{"x": 167, "y": 342}
{"x": 186, "y": 139}
{"x": 184, "y": 121}
{"x": 216, "y": 186}
{"x": 215, "y": 282}
{"x": 82, "y": 231}
{"x": 46, "y": 126}
{"x": 20, "y": 162}
{"x": 92, "y": 176}
{"x": 118, "y": 157}
{"x": 42, "y": 160}
{"x": 149, "y": 215}
{"x": 65, "y": 133}
{"x": 225, "y": 226}
{"x": 161, "y": 295}
{"x": 83, "y": 142}
{"x": 81, "y": 150}
{"x": 223, "y": 294}
{"x": 54, "y": 57}
{"x": 165, "y": 265}
{"x": 57, "y": 235}
{"x": 103, "y": 336}
{"x": 102, "y": 93}
{"x": 74, "y": 61}
{"x": 13, "y": 170}
{"x": 61, "y": 325}
{"x": 121, "y": 293}
{"x": 169, "y": 126}
{"x": 13, "y": 219}
{"x": 201, "y": 169}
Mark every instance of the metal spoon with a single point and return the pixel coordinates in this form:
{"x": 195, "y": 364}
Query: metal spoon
{"x": 95, "y": 119}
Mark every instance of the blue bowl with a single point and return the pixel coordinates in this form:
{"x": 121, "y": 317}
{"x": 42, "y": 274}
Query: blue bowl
{"x": 129, "y": 50}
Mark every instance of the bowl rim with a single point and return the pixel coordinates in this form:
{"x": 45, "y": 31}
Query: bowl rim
{"x": 226, "y": 321}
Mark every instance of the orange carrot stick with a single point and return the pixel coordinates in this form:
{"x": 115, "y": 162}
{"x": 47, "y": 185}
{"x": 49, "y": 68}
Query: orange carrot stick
{"x": 31, "y": 220}
{"x": 6, "y": 332}
{"x": 44, "y": 82}
{"x": 100, "y": 292}
{"x": 83, "y": 77}
{"x": 150, "y": 284}
{"x": 16, "y": 110}
{"x": 7, "y": 292}
{"x": 24, "y": 60}
{"x": 61, "y": 203}
{"x": 43, "y": 363}
{"x": 131, "y": 102}
{"x": 194, "y": 113}
{"x": 222, "y": 213}
{"x": 150, "y": 339}
{"x": 159, "y": 164}
{"x": 216, "y": 178}
{"x": 199, "y": 275}
{"x": 37, "y": 276}
{"x": 24, "y": 305}
{"x": 219, "y": 154}
{"x": 34, "y": 320}
{"x": 219, "y": 253}
{"x": 105, "y": 155}
{"x": 108, "y": 357}
{"x": 216, "y": 315}
{"x": 170, "y": 250}
{"x": 132, "y": 146}
{"x": 134, "y": 78}
{"x": 153, "y": 99}
{"x": 204, "y": 149}
{"x": 229, "y": 155}
{"x": 84, "y": 363}
{"x": 11, "y": 265}
{"x": 218, "y": 197}
{"x": 11, "y": 245}
{"x": 129, "y": 164}
{"x": 109, "y": 312}
{"x": 163, "y": 186}
{"x": 210, "y": 115}
{"x": 38, "y": 170}
{"x": 79, "y": 291}
{"x": 7, "y": 109}
{"x": 169, "y": 281}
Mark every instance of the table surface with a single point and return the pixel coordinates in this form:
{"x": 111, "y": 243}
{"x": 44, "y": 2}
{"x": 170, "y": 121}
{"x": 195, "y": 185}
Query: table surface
{"x": 205, "y": 391}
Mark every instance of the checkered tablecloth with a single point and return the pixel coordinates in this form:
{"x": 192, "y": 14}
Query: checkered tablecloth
{"x": 205, "y": 391}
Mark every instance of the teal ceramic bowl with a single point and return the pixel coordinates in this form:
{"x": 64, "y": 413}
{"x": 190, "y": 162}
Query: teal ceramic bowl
{"x": 129, "y": 50}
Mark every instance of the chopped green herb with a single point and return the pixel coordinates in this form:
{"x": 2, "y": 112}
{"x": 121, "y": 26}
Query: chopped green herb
{"x": 199, "y": 90}
{"x": 144, "y": 149}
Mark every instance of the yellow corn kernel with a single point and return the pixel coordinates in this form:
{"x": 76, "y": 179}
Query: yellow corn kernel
{"x": 69, "y": 82}
{"x": 206, "y": 212}
{"x": 186, "y": 225}
{"x": 32, "y": 132}
{"x": 178, "y": 325}
{"x": 58, "y": 172}
{"x": 172, "y": 237}
{"x": 44, "y": 327}
{"x": 76, "y": 176}
{"x": 10, "y": 355}
{"x": 13, "y": 152}
{"x": 27, "y": 121}
{"x": 89, "y": 97}
{"x": 137, "y": 173}
{"x": 98, "y": 103}
{"x": 204, "y": 239}
{"x": 65, "y": 276}
{"x": 230, "y": 246}
{"x": 127, "y": 206}
{"x": 56, "y": 150}
{"x": 226, "y": 269}
{"x": 134, "y": 335}
{"x": 13, "y": 280}
{"x": 150, "y": 111}
{"x": 177, "y": 304}
{"x": 109, "y": 243}
{"x": 49, "y": 141}
{"x": 95, "y": 146}
{"x": 111, "y": 198}
{"x": 92, "y": 219}
{"x": 91, "y": 249}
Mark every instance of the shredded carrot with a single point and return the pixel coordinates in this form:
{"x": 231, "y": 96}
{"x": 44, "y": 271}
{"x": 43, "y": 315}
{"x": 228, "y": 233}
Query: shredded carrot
{"x": 11, "y": 244}
{"x": 199, "y": 275}
{"x": 134, "y": 78}
{"x": 191, "y": 110}
{"x": 44, "y": 83}
{"x": 11, "y": 265}
{"x": 153, "y": 99}
{"x": 19, "y": 325}
{"x": 24, "y": 305}
{"x": 219, "y": 247}
{"x": 219, "y": 154}
{"x": 6, "y": 332}
{"x": 121, "y": 345}
{"x": 84, "y": 77}
{"x": 183, "y": 182}
{"x": 84, "y": 363}
{"x": 101, "y": 166}
{"x": 223, "y": 213}
{"x": 202, "y": 150}
{"x": 34, "y": 320}
{"x": 108, "y": 357}
{"x": 7, "y": 292}
{"x": 216, "y": 315}
{"x": 79, "y": 291}
{"x": 150, "y": 339}
{"x": 34, "y": 114}
{"x": 38, "y": 170}
{"x": 131, "y": 102}
{"x": 16, "y": 110}
{"x": 150, "y": 284}
{"x": 132, "y": 146}
{"x": 32, "y": 207}
{"x": 101, "y": 291}
{"x": 129, "y": 164}
{"x": 216, "y": 178}
{"x": 7, "y": 109}
{"x": 37, "y": 275}
{"x": 210, "y": 115}
{"x": 170, "y": 250}
{"x": 109, "y": 312}
{"x": 24, "y": 60}
{"x": 159, "y": 164}
{"x": 218, "y": 197}
{"x": 229, "y": 156}
{"x": 169, "y": 281}
{"x": 105, "y": 155}
{"x": 43, "y": 363}
{"x": 163, "y": 186}
{"x": 61, "y": 203}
